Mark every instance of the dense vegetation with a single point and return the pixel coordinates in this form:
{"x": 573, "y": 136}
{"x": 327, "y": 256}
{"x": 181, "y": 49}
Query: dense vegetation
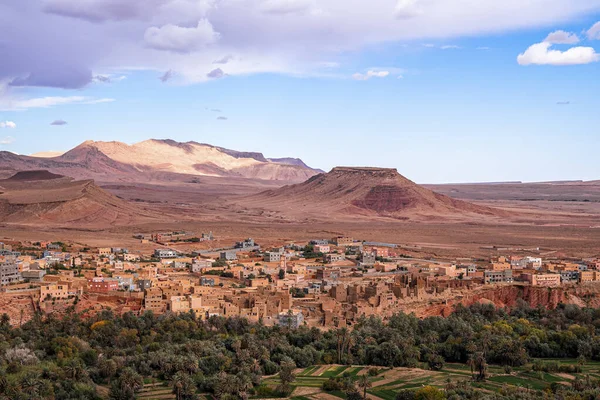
{"x": 66, "y": 358}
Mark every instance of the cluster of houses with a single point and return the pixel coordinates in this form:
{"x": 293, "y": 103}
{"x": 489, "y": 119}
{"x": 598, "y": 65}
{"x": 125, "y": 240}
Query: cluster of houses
{"x": 325, "y": 282}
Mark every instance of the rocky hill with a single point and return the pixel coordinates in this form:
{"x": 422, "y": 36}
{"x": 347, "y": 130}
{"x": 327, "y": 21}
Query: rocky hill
{"x": 43, "y": 198}
{"x": 370, "y": 192}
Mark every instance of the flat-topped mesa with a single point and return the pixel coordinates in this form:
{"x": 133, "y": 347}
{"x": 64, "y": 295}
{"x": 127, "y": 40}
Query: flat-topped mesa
{"x": 35, "y": 175}
{"x": 366, "y": 171}
{"x": 366, "y": 192}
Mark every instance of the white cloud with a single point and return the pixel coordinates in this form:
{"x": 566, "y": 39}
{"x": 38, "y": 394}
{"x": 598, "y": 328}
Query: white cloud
{"x": 594, "y": 32}
{"x": 282, "y": 7}
{"x": 180, "y": 39}
{"x": 542, "y": 54}
{"x": 19, "y": 104}
{"x": 450, "y": 47}
{"x": 407, "y": 9}
{"x": 7, "y": 140}
{"x": 562, "y": 37}
{"x": 8, "y": 124}
{"x": 263, "y": 36}
{"x": 370, "y": 74}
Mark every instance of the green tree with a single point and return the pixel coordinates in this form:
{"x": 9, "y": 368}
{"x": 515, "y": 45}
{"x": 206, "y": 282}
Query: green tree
{"x": 364, "y": 383}
{"x": 184, "y": 387}
{"x": 429, "y": 393}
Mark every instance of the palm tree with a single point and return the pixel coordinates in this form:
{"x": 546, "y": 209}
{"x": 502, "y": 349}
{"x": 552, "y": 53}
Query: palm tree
{"x": 131, "y": 380}
{"x": 242, "y": 385}
{"x": 107, "y": 368}
{"x": 74, "y": 370}
{"x": 364, "y": 383}
{"x": 471, "y": 363}
{"x": 33, "y": 385}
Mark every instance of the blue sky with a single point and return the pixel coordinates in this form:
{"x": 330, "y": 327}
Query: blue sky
{"x": 456, "y": 107}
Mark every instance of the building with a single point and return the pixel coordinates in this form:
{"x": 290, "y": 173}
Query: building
{"x": 208, "y": 281}
{"x": 33, "y": 275}
{"x": 321, "y": 248}
{"x": 165, "y": 253}
{"x": 57, "y": 291}
{"x": 143, "y": 284}
{"x": 368, "y": 259}
{"x": 547, "y": 280}
{"x": 495, "y": 276}
{"x": 569, "y": 276}
{"x": 329, "y": 273}
{"x": 199, "y": 265}
{"x": 291, "y": 319}
{"x": 334, "y": 257}
{"x": 246, "y": 244}
{"x": 103, "y": 285}
{"x": 272, "y": 256}
{"x": 153, "y": 300}
{"x": 104, "y": 251}
{"x": 174, "y": 236}
{"x": 321, "y": 242}
{"x": 9, "y": 273}
{"x": 499, "y": 266}
{"x": 228, "y": 255}
{"x": 343, "y": 241}
{"x": 531, "y": 263}
{"x": 131, "y": 257}
{"x": 587, "y": 276}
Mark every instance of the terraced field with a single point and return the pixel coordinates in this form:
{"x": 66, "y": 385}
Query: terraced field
{"x": 388, "y": 382}
{"x": 155, "y": 391}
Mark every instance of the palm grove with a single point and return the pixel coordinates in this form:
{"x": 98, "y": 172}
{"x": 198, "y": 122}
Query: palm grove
{"x": 73, "y": 357}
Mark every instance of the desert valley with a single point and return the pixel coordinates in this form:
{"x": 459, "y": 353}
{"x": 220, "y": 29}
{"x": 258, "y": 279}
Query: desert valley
{"x": 299, "y": 199}
{"x": 121, "y": 189}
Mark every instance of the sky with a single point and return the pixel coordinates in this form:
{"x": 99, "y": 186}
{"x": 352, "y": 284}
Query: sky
{"x": 443, "y": 90}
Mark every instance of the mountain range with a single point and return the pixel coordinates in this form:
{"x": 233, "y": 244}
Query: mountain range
{"x": 157, "y": 160}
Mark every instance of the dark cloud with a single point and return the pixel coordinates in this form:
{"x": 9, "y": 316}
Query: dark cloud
{"x": 100, "y": 10}
{"x": 216, "y": 73}
{"x": 166, "y": 76}
{"x": 43, "y": 50}
{"x": 58, "y": 122}
{"x": 221, "y": 118}
{"x": 223, "y": 60}
{"x": 102, "y": 78}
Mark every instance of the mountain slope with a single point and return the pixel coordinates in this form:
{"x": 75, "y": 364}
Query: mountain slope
{"x": 193, "y": 158}
{"x": 40, "y": 197}
{"x": 369, "y": 192}
{"x": 157, "y": 160}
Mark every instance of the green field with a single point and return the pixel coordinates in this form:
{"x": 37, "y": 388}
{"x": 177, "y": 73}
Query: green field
{"x": 389, "y": 382}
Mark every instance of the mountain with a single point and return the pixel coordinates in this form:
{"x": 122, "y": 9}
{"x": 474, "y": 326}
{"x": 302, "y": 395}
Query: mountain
{"x": 292, "y": 161}
{"x": 156, "y": 160}
{"x": 347, "y": 192}
{"x": 46, "y": 199}
{"x": 194, "y": 158}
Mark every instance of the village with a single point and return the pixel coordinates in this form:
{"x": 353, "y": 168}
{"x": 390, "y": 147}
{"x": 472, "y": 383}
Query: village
{"x": 322, "y": 283}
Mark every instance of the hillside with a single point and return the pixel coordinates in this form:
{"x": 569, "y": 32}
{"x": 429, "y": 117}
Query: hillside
{"x": 369, "y": 192}
{"x": 40, "y": 197}
{"x": 196, "y": 159}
